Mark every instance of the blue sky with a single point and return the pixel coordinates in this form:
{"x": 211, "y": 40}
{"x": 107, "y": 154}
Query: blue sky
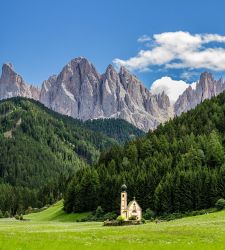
{"x": 40, "y": 37}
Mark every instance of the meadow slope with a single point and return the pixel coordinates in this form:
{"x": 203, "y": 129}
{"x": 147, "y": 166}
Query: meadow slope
{"x": 200, "y": 232}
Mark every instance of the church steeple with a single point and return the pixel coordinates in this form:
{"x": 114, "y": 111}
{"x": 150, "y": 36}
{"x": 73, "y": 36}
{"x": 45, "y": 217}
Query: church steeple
{"x": 123, "y": 205}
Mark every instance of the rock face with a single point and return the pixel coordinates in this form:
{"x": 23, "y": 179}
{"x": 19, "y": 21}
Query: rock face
{"x": 206, "y": 88}
{"x": 12, "y": 84}
{"x": 81, "y": 92}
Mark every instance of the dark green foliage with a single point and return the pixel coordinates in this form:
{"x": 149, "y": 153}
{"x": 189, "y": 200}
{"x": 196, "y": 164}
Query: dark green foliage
{"x": 220, "y": 204}
{"x": 40, "y": 152}
{"x": 99, "y": 212}
{"x": 1, "y": 214}
{"x": 82, "y": 190}
{"x": 17, "y": 217}
{"x": 118, "y": 129}
{"x": 149, "y": 214}
{"x": 110, "y": 216}
{"x": 178, "y": 167}
{"x": 7, "y": 214}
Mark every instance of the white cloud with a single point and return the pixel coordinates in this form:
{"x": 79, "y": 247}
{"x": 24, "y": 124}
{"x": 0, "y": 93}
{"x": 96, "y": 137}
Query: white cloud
{"x": 171, "y": 87}
{"x": 144, "y": 39}
{"x": 179, "y": 50}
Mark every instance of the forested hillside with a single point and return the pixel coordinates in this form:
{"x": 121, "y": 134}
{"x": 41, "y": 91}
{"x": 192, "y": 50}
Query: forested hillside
{"x": 40, "y": 151}
{"x": 119, "y": 129}
{"x": 178, "y": 167}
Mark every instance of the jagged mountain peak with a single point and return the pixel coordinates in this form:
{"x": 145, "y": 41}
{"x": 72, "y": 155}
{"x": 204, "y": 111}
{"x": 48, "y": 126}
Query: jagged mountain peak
{"x": 124, "y": 71}
{"x": 206, "y": 88}
{"x": 12, "y": 84}
{"x": 110, "y": 68}
{"x": 9, "y": 76}
{"x": 8, "y": 73}
{"x": 110, "y": 73}
{"x": 81, "y": 92}
{"x": 206, "y": 76}
{"x": 7, "y": 66}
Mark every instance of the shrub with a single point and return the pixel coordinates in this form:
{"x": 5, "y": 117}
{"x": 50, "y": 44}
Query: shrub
{"x": 17, "y": 217}
{"x": 7, "y": 214}
{"x": 110, "y": 216}
{"x": 120, "y": 219}
{"x": 143, "y": 221}
{"x": 220, "y": 204}
{"x": 1, "y": 214}
{"x": 149, "y": 214}
{"x": 99, "y": 212}
{"x": 21, "y": 217}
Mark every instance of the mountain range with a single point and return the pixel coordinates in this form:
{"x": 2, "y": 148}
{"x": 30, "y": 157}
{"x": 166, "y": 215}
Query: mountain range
{"x": 81, "y": 92}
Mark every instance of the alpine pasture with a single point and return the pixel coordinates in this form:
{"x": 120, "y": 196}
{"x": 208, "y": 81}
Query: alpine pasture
{"x": 53, "y": 229}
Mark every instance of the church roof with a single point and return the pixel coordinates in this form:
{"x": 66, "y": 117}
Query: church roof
{"x": 124, "y": 187}
{"x": 130, "y": 203}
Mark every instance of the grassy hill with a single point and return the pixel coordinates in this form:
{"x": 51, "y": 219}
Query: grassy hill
{"x": 200, "y": 232}
{"x": 55, "y": 213}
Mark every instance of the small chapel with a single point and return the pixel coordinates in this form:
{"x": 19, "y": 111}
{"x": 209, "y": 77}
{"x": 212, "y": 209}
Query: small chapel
{"x": 132, "y": 210}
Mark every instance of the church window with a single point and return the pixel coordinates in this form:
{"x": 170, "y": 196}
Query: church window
{"x": 134, "y": 208}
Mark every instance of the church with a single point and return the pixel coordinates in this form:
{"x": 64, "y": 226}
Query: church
{"x": 132, "y": 210}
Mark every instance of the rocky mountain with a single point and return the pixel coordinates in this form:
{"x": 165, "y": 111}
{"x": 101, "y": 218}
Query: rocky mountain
{"x": 206, "y": 88}
{"x": 81, "y": 92}
{"x": 12, "y": 84}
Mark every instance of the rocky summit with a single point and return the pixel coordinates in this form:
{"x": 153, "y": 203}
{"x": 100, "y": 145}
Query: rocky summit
{"x": 81, "y": 92}
{"x": 12, "y": 84}
{"x": 206, "y": 88}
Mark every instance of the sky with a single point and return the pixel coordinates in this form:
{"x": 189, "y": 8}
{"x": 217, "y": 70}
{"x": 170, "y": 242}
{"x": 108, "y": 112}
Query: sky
{"x": 154, "y": 39}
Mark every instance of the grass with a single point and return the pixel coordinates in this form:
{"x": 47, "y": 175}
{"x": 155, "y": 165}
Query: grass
{"x": 198, "y": 232}
{"x": 55, "y": 213}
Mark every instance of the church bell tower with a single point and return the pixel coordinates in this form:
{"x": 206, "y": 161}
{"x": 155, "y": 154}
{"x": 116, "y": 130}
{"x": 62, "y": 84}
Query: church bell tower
{"x": 123, "y": 205}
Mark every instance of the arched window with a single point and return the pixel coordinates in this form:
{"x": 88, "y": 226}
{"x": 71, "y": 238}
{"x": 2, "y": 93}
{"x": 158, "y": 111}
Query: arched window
{"x": 134, "y": 208}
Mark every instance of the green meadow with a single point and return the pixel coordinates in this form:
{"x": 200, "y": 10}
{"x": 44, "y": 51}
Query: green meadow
{"x": 53, "y": 229}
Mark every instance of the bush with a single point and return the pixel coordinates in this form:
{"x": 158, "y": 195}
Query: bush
{"x": 21, "y": 217}
{"x": 149, "y": 214}
{"x": 17, "y": 217}
{"x": 1, "y": 214}
{"x": 7, "y": 214}
{"x": 99, "y": 212}
{"x": 110, "y": 216}
{"x": 220, "y": 204}
{"x": 120, "y": 219}
{"x": 143, "y": 221}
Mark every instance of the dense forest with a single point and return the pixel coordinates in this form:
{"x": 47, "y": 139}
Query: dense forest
{"x": 41, "y": 150}
{"x": 176, "y": 168}
{"x": 119, "y": 129}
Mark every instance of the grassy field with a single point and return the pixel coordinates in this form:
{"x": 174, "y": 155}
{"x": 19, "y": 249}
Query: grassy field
{"x": 55, "y": 213}
{"x": 200, "y": 232}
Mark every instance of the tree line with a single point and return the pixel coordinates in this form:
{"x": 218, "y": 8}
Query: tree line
{"x": 176, "y": 168}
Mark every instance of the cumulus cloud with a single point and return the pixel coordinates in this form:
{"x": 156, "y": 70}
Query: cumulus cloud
{"x": 172, "y": 88}
{"x": 178, "y": 50}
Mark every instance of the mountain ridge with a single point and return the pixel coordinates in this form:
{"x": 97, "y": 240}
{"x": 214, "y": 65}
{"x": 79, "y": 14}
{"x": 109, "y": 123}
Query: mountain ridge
{"x": 80, "y": 91}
